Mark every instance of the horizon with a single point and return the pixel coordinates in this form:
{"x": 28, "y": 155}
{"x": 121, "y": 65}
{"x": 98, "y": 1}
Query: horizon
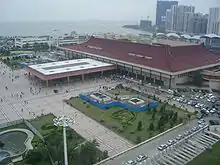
{"x": 67, "y": 10}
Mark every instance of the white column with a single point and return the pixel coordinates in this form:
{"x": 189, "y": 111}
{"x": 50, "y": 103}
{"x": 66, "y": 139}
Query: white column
{"x": 65, "y": 146}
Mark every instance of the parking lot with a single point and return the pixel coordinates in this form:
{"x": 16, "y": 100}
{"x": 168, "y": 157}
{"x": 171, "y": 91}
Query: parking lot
{"x": 206, "y": 103}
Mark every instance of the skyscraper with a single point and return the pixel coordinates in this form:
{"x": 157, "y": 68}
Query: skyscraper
{"x": 183, "y": 19}
{"x": 214, "y": 21}
{"x": 168, "y": 24}
{"x": 162, "y": 7}
{"x": 183, "y": 14}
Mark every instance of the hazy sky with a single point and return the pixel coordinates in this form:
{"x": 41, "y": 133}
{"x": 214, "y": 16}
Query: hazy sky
{"x": 68, "y": 10}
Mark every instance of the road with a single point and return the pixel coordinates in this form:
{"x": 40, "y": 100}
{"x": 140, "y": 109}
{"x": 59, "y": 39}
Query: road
{"x": 149, "y": 148}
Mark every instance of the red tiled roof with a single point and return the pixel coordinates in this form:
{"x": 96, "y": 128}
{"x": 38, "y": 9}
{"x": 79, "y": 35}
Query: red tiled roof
{"x": 163, "y": 57}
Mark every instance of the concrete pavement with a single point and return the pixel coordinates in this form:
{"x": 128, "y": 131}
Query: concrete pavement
{"x": 14, "y": 107}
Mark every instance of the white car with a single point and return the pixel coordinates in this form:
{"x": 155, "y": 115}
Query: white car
{"x": 213, "y": 110}
{"x": 162, "y": 147}
{"x": 170, "y": 142}
{"x": 141, "y": 157}
{"x": 131, "y": 162}
{"x": 179, "y": 137}
{"x": 186, "y": 133}
{"x": 194, "y": 129}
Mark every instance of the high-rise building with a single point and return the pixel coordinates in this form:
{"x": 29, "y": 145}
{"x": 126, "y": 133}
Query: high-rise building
{"x": 162, "y": 7}
{"x": 168, "y": 24}
{"x": 187, "y": 24}
{"x": 213, "y": 21}
{"x": 199, "y": 23}
{"x": 183, "y": 14}
{"x": 183, "y": 19}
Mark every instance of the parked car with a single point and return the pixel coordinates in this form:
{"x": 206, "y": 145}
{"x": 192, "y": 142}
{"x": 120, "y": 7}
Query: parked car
{"x": 179, "y": 137}
{"x": 162, "y": 147}
{"x": 131, "y": 162}
{"x": 141, "y": 157}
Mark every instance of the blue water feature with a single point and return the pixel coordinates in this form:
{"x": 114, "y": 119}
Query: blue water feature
{"x": 148, "y": 107}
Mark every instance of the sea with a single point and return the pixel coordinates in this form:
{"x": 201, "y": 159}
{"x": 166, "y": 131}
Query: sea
{"x": 65, "y": 27}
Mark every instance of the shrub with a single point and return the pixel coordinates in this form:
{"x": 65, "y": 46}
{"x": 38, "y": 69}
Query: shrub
{"x": 48, "y": 126}
{"x": 138, "y": 139}
{"x": 114, "y": 127}
{"x": 129, "y": 122}
{"x": 102, "y": 121}
{"x": 121, "y": 130}
{"x": 84, "y": 102}
{"x": 1, "y": 144}
{"x": 132, "y": 132}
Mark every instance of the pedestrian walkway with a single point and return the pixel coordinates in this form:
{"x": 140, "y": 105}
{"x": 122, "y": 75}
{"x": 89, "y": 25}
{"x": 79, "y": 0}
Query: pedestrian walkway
{"x": 24, "y": 97}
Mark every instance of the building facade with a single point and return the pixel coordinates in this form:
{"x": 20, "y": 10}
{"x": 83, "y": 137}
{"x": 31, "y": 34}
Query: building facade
{"x": 168, "y": 24}
{"x": 30, "y": 41}
{"x": 214, "y": 21}
{"x": 160, "y": 64}
{"x": 162, "y": 7}
{"x": 184, "y": 13}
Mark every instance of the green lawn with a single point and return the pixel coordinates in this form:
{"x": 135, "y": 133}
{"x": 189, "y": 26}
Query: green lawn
{"x": 208, "y": 157}
{"x": 115, "y": 121}
{"x": 22, "y": 125}
{"x": 123, "y": 92}
{"x": 39, "y": 122}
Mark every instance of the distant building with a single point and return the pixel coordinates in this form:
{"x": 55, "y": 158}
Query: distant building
{"x": 199, "y": 24}
{"x": 214, "y": 21}
{"x": 145, "y": 24}
{"x": 183, "y": 19}
{"x": 182, "y": 15}
{"x": 168, "y": 23}
{"x": 162, "y": 7}
{"x": 30, "y": 41}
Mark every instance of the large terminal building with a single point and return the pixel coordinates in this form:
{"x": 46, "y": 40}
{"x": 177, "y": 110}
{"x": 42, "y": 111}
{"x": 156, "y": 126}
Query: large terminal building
{"x": 160, "y": 64}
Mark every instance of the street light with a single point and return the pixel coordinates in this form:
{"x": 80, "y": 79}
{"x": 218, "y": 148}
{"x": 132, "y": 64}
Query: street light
{"x": 64, "y": 121}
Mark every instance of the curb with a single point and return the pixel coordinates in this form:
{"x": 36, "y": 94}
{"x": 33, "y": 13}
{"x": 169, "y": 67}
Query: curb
{"x": 138, "y": 145}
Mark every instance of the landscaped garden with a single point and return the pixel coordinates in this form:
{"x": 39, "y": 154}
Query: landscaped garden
{"x": 80, "y": 151}
{"x": 210, "y": 156}
{"x": 134, "y": 126}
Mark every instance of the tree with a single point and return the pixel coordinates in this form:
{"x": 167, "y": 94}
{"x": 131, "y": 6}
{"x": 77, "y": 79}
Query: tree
{"x": 165, "y": 117}
{"x": 197, "y": 78}
{"x": 153, "y": 114}
{"x": 160, "y": 122}
{"x": 2, "y": 144}
{"x": 175, "y": 117}
{"x": 189, "y": 116}
{"x": 105, "y": 155}
{"x": 138, "y": 139}
{"x": 171, "y": 124}
{"x": 151, "y": 127}
{"x": 171, "y": 114}
{"x": 180, "y": 120}
{"x": 140, "y": 125}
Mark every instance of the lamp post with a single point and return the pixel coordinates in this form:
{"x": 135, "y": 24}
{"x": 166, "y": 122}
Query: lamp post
{"x": 63, "y": 121}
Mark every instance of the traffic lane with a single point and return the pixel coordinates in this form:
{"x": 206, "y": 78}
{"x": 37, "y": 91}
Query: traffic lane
{"x": 150, "y": 148}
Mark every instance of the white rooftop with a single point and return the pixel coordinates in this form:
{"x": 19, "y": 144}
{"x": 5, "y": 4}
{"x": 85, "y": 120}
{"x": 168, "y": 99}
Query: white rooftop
{"x": 68, "y": 66}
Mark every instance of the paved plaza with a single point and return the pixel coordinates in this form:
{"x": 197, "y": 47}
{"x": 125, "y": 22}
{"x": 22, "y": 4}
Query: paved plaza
{"x": 24, "y": 98}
